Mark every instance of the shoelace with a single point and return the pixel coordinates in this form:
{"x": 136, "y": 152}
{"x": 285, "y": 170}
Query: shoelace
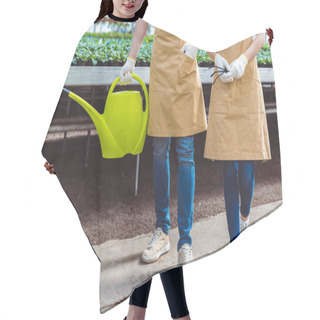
{"x": 155, "y": 237}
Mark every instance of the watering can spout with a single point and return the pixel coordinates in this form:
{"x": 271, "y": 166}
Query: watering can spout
{"x": 98, "y": 120}
{"x": 93, "y": 113}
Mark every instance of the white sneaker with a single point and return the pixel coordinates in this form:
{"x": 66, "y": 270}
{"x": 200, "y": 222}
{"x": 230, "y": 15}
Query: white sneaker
{"x": 185, "y": 254}
{"x": 244, "y": 224}
{"x": 159, "y": 245}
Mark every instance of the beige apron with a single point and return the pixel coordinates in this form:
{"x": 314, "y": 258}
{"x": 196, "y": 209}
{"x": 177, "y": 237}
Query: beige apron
{"x": 176, "y": 99}
{"x": 237, "y": 125}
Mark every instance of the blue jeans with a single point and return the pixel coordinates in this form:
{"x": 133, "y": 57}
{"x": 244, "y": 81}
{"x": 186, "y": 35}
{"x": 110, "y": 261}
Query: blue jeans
{"x": 186, "y": 182}
{"x": 238, "y": 180}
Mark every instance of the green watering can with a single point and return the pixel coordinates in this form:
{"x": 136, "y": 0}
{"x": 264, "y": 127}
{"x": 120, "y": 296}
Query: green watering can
{"x": 122, "y": 127}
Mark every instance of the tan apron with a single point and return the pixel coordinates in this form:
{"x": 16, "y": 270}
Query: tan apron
{"x": 237, "y": 124}
{"x": 176, "y": 99}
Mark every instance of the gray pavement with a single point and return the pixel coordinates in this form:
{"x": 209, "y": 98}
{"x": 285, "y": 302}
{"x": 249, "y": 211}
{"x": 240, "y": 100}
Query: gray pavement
{"x": 122, "y": 269}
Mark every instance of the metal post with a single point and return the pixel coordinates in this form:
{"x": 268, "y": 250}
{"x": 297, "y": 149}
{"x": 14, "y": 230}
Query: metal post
{"x": 137, "y": 175}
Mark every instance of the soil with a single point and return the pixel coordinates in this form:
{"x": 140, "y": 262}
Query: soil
{"x": 102, "y": 190}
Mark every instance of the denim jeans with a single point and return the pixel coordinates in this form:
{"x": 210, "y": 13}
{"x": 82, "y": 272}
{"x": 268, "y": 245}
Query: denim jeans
{"x": 186, "y": 182}
{"x": 238, "y": 180}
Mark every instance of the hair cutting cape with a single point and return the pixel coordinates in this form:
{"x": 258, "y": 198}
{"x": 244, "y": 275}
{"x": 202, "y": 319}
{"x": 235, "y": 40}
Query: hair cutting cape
{"x": 114, "y": 196}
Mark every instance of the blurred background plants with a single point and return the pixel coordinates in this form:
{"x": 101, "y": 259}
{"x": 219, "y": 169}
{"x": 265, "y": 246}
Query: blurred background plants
{"x": 112, "y": 48}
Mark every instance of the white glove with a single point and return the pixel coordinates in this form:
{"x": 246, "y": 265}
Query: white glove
{"x": 226, "y": 77}
{"x": 238, "y": 66}
{"x": 222, "y": 63}
{"x": 189, "y": 50}
{"x": 126, "y": 71}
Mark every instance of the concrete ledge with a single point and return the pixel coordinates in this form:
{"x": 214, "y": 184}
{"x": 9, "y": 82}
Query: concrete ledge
{"x": 101, "y": 76}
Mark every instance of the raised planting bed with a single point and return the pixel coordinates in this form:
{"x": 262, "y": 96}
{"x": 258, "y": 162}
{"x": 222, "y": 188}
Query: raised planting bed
{"x": 110, "y": 49}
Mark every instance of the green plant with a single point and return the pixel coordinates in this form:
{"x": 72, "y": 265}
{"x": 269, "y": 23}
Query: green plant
{"x": 114, "y": 47}
{"x": 264, "y": 55}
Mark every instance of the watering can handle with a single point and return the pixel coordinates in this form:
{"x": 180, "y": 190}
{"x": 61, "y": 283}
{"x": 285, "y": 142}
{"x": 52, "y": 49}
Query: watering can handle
{"x": 134, "y": 76}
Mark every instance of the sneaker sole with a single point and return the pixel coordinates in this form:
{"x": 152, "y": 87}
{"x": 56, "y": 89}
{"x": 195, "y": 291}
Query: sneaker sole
{"x": 157, "y": 256}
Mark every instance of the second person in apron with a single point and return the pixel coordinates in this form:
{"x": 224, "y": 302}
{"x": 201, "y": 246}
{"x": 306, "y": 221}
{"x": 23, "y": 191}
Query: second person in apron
{"x": 237, "y": 128}
{"x": 177, "y": 112}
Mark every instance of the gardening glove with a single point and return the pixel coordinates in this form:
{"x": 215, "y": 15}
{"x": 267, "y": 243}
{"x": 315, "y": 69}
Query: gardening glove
{"x": 221, "y": 62}
{"x": 238, "y": 66}
{"x": 189, "y": 50}
{"x": 126, "y": 71}
{"x": 226, "y": 77}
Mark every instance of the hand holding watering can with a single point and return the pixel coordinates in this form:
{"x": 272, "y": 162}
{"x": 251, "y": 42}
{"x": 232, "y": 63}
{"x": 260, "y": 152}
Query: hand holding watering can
{"x": 127, "y": 71}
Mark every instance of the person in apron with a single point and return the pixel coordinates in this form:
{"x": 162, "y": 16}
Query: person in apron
{"x": 237, "y": 128}
{"x": 176, "y": 111}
